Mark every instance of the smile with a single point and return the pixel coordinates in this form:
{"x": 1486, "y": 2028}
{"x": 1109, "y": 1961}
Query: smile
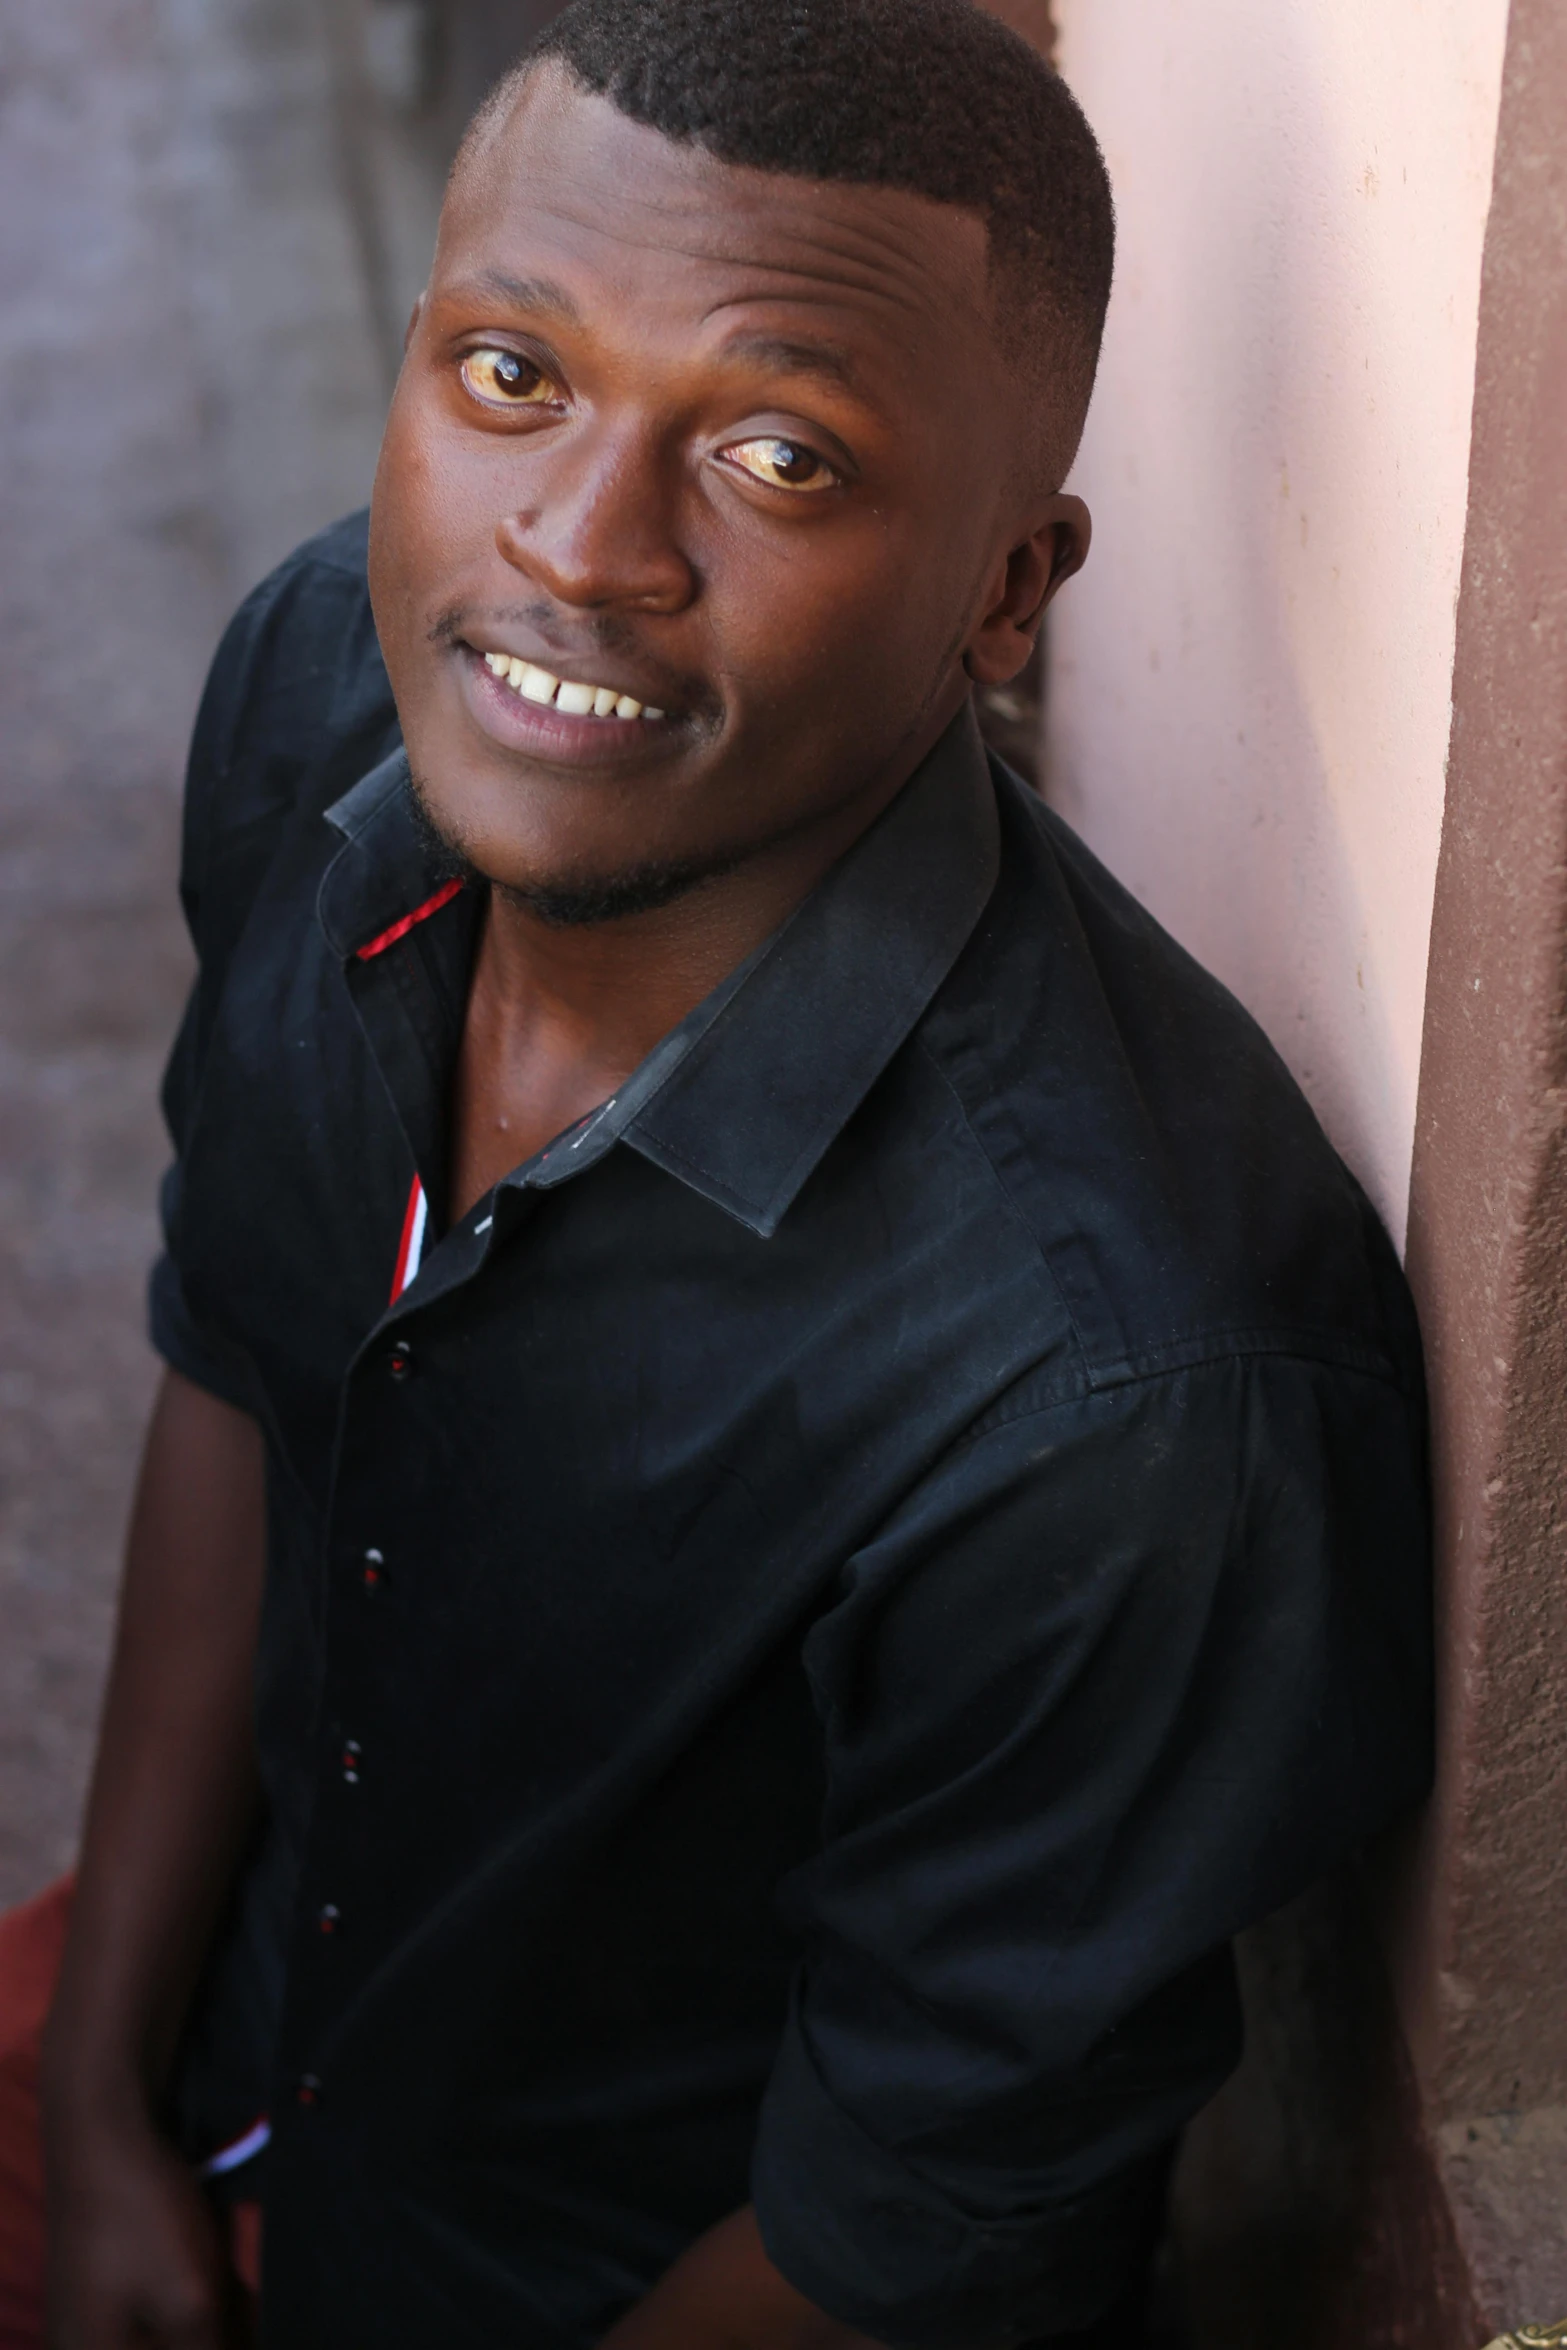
{"x": 565, "y": 694}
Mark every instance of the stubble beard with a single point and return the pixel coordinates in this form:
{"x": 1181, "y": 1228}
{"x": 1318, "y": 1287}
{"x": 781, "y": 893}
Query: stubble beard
{"x": 569, "y": 904}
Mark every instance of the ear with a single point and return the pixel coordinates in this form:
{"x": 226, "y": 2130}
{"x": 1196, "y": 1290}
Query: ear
{"x": 412, "y": 328}
{"x": 1029, "y": 576}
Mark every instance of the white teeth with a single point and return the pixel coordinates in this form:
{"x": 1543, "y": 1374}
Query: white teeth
{"x": 578, "y": 701}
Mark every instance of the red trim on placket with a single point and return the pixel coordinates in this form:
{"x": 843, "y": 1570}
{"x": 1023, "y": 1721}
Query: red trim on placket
{"x": 411, "y": 1247}
{"x": 397, "y": 930}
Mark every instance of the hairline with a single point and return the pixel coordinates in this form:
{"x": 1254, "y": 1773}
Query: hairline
{"x": 1019, "y": 350}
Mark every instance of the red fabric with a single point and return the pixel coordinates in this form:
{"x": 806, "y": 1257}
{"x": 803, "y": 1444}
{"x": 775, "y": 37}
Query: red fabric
{"x": 410, "y": 1218}
{"x": 396, "y": 930}
{"x": 31, "y": 1941}
{"x": 245, "y": 2245}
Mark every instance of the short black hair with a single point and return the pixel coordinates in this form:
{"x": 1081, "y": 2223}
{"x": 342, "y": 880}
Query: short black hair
{"x": 936, "y": 97}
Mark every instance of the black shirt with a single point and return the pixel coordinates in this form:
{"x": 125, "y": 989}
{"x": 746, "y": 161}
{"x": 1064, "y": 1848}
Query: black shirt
{"x": 793, "y": 1643}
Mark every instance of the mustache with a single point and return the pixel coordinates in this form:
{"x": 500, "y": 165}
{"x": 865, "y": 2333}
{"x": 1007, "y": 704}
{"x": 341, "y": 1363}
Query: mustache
{"x": 608, "y": 632}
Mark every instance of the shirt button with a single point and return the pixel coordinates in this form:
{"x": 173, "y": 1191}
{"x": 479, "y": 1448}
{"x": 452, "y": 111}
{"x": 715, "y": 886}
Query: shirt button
{"x": 401, "y": 1359}
{"x": 349, "y": 1758}
{"x": 307, "y": 2090}
{"x": 372, "y": 1572}
{"x": 328, "y": 1917}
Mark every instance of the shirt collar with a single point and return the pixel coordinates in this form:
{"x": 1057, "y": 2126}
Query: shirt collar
{"x": 383, "y": 869}
{"x": 741, "y": 1101}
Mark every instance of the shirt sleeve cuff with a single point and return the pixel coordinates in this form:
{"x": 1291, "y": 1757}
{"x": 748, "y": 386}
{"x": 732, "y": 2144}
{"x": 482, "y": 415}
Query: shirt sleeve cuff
{"x": 198, "y": 1354}
{"x": 876, "y": 2246}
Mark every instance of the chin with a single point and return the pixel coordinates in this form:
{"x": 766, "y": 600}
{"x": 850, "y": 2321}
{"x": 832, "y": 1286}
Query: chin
{"x": 577, "y": 901}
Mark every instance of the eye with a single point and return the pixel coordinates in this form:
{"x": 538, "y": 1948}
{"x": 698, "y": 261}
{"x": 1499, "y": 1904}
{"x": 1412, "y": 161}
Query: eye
{"x": 505, "y": 379}
{"x": 785, "y": 465}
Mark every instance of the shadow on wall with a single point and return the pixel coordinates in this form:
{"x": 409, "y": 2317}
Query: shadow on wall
{"x": 1305, "y": 2205}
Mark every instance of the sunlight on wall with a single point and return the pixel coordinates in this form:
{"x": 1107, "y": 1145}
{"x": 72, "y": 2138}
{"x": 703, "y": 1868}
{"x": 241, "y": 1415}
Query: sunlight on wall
{"x": 1250, "y": 685}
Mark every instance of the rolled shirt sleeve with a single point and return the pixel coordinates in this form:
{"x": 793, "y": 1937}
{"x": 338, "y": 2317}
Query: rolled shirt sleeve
{"x": 196, "y": 1350}
{"x": 296, "y": 706}
{"x": 1122, "y": 1675}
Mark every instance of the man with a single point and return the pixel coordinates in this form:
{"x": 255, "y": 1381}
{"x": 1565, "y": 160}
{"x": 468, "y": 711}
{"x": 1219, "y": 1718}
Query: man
{"x": 813, "y": 1464}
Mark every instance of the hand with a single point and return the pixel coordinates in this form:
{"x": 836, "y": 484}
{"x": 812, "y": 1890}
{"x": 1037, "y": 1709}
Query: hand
{"x": 135, "y": 2254}
{"x": 725, "y": 2294}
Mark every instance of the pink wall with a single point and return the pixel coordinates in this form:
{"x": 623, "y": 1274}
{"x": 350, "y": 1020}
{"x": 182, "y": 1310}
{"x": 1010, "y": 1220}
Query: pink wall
{"x": 1250, "y": 684}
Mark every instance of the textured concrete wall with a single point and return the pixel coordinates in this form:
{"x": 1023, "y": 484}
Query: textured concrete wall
{"x": 1249, "y": 690}
{"x": 1484, "y": 1943}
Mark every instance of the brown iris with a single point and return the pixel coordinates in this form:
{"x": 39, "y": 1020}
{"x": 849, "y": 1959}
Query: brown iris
{"x": 787, "y": 465}
{"x": 506, "y": 379}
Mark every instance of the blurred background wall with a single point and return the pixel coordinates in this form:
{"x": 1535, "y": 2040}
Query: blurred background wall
{"x": 189, "y": 382}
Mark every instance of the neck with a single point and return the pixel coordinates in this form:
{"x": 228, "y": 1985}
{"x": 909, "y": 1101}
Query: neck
{"x": 558, "y": 1017}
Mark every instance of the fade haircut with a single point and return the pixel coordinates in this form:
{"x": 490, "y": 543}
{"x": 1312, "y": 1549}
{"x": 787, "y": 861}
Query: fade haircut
{"x": 935, "y": 97}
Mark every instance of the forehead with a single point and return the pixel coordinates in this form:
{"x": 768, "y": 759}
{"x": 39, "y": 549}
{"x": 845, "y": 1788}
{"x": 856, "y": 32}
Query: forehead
{"x": 567, "y": 186}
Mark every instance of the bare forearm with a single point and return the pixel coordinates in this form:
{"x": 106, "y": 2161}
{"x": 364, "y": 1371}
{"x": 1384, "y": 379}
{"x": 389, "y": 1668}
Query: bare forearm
{"x": 134, "y": 2254}
{"x": 725, "y": 2294}
{"x": 174, "y": 1786}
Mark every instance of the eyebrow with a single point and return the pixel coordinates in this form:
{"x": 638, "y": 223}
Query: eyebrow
{"x": 827, "y": 362}
{"x": 525, "y": 293}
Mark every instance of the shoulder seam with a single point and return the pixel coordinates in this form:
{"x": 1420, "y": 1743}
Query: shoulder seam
{"x": 1186, "y": 1350}
{"x": 1288, "y": 1341}
{"x": 1003, "y": 1414}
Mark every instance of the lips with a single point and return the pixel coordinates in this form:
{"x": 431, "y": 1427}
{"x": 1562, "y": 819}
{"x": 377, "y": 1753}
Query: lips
{"x": 574, "y": 697}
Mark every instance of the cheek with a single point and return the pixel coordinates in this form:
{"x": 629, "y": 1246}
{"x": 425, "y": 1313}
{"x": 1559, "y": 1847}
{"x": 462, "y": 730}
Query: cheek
{"x": 396, "y": 505}
{"x": 855, "y": 613}
{"x": 419, "y": 531}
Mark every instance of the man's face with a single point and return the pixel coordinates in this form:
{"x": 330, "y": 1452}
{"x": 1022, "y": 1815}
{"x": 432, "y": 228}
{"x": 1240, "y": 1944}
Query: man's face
{"x": 732, "y": 446}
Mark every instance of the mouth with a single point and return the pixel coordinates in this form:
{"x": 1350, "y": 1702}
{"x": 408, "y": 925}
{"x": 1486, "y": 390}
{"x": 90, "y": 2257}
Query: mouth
{"x": 589, "y": 724}
{"x": 573, "y": 697}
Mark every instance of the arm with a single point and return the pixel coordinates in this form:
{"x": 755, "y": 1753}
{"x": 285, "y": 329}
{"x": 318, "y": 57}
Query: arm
{"x": 1123, "y": 1674}
{"x": 133, "y": 2254}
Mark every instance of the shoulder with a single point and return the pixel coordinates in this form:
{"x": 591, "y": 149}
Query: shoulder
{"x": 297, "y": 706}
{"x": 1150, "y": 1141}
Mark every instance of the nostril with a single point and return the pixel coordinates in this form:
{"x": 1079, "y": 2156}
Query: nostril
{"x": 617, "y": 561}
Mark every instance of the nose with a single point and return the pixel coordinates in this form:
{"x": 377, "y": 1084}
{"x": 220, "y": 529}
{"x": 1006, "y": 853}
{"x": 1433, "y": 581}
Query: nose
{"x": 600, "y": 532}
